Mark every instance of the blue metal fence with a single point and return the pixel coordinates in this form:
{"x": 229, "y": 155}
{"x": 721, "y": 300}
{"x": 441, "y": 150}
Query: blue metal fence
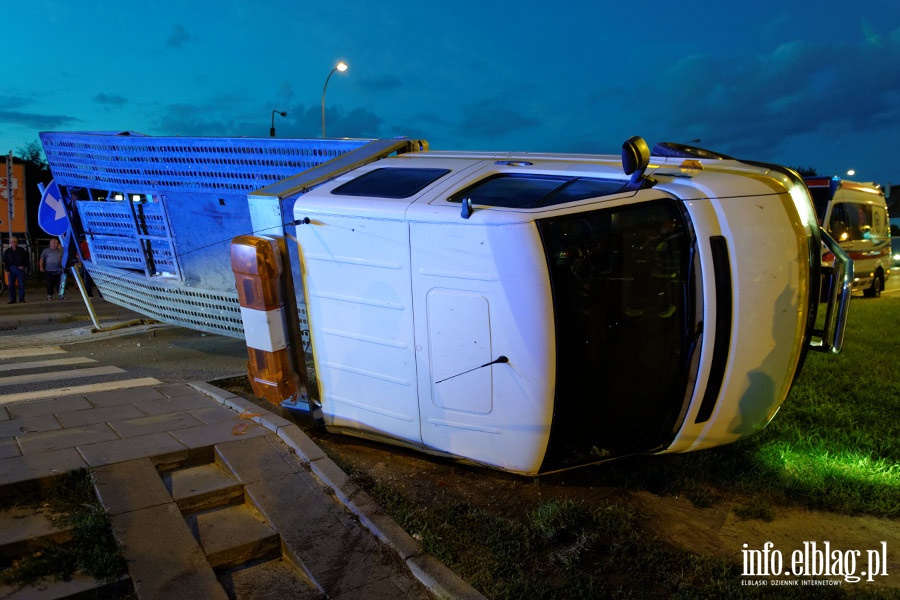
{"x": 159, "y": 213}
{"x": 136, "y": 162}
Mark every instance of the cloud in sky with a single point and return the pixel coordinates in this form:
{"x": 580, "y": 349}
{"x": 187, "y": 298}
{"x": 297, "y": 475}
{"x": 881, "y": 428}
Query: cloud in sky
{"x": 9, "y": 102}
{"x": 306, "y": 121}
{"x": 749, "y": 105}
{"x": 178, "y": 36}
{"x": 286, "y": 92}
{"x": 37, "y": 121}
{"x": 222, "y": 119}
{"x": 111, "y": 99}
{"x": 214, "y": 117}
{"x": 385, "y": 83}
{"x": 494, "y": 117}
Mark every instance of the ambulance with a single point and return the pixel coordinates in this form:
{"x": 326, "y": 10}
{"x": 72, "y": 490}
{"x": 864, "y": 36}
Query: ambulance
{"x": 856, "y": 215}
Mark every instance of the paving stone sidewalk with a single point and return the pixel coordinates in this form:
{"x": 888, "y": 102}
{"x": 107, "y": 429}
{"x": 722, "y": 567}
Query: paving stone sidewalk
{"x": 213, "y": 497}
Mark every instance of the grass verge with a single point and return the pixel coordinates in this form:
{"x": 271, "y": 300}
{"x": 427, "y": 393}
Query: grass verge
{"x": 92, "y": 549}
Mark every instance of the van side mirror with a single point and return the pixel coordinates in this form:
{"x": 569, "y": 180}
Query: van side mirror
{"x": 635, "y": 155}
{"x": 465, "y": 210}
{"x": 635, "y": 159}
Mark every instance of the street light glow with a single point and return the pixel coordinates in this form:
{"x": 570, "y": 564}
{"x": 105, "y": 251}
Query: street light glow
{"x": 341, "y": 66}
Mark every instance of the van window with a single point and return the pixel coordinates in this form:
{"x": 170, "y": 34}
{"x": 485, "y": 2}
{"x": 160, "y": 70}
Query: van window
{"x": 535, "y": 190}
{"x": 390, "y": 182}
{"x": 851, "y": 222}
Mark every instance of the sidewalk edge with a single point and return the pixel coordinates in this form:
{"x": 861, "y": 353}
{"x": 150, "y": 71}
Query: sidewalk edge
{"x": 433, "y": 574}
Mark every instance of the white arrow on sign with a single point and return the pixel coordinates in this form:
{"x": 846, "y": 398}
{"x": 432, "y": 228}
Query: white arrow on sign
{"x": 52, "y": 211}
{"x": 59, "y": 211}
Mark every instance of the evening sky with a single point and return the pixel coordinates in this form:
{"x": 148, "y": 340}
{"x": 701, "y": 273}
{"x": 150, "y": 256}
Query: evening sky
{"x": 805, "y": 83}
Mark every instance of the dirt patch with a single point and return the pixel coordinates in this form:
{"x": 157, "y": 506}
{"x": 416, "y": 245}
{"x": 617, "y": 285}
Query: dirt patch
{"x": 713, "y": 531}
{"x": 719, "y": 531}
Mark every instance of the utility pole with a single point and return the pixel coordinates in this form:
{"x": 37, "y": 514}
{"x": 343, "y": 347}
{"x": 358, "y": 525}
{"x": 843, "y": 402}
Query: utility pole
{"x": 9, "y": 191}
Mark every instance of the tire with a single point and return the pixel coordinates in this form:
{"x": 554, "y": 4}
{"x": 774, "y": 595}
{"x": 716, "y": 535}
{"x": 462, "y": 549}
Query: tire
{"x": 874, "y": 290}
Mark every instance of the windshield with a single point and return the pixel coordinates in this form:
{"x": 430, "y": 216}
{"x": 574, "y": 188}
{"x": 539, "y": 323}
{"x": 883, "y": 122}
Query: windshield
{"x": 624, "y": 303}
{"x": 852, "y": 222}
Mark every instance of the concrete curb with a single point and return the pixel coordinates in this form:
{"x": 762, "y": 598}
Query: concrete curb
{"x": 433, "y": 574}
{"x": 85, "y": 333}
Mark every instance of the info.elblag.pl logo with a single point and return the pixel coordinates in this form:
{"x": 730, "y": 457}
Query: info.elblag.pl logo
{"x": 814, "y": 563}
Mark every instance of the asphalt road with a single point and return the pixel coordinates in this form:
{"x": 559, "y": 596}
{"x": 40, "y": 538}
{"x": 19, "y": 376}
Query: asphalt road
{"x": 141, "y": 349}
{"x": 892, "y": 285}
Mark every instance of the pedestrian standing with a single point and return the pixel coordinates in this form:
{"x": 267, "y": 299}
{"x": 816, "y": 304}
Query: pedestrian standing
{"x": 15, "y": 263}
{"x": 51, "y": 267}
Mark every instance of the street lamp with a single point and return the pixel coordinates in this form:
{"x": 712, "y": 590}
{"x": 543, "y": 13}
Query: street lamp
{"x": 272, "y": 129}
{"x": 341, "y": 66}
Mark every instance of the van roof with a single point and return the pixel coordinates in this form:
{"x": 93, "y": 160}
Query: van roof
{"x": 836, "y": 183}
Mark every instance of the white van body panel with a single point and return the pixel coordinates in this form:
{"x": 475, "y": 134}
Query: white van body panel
{"x": 769, "y": 279}
{"x": 409, "y": 305}
{"x": 481, "y": 292}
{"x": 365, "y": 359}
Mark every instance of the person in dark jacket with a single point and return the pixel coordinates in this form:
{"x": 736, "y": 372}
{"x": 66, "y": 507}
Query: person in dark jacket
{"x": 15, "y": 263}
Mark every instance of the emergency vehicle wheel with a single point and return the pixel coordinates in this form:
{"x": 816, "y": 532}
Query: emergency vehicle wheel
{"x": 874, "y": 290}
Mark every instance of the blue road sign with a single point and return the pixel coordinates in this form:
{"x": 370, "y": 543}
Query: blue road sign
{"x": 52, "y": 213}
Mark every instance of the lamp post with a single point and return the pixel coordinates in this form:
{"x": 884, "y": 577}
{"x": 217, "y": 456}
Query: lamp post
{"x": 272, "y": 129}
{"x": 341, "y": 66}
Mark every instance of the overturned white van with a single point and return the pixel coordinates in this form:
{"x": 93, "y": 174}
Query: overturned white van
{"x": 529, "y": 312}
{"x": 536, "y": 312}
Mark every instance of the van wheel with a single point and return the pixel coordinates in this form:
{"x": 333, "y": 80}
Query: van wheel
{"x": 874, "y": 290}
